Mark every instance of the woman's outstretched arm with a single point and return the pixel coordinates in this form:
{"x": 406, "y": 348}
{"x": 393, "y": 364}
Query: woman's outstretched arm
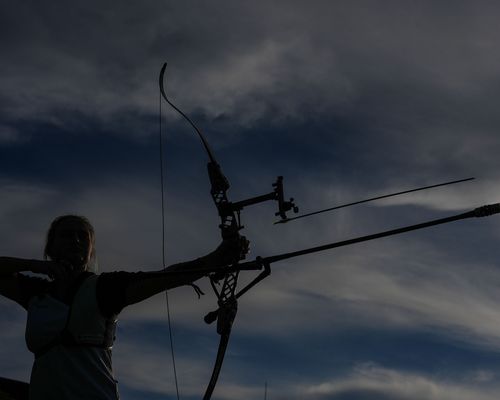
{"x": 152, "y": 283}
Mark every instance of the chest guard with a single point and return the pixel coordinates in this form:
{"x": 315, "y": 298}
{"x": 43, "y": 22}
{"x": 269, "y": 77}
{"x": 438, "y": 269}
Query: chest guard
{"x": 52, "y": 322}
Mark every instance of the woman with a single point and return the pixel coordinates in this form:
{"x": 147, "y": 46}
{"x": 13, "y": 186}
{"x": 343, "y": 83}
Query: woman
{"x": 72, "y": 315}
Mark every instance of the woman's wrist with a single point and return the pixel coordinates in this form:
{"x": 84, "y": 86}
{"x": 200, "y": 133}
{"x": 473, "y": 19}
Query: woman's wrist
{"x": 36, "y": 266}
{"x": 12, "y": 265}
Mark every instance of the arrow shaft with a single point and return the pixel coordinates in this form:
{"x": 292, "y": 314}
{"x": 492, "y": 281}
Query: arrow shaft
{"x": 375, "y": 198}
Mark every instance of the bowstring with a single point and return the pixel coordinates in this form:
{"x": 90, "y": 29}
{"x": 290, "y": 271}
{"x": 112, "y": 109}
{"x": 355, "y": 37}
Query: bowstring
{"x": 172, "y": 353}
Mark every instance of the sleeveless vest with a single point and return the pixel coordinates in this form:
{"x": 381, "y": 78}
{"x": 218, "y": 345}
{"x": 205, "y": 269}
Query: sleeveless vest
{"x": 52, "y": 322}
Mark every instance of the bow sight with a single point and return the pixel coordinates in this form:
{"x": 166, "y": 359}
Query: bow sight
{"x": 277, "y": 194}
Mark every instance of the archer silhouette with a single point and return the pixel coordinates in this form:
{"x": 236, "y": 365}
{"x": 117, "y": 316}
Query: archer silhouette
{"x": 72, "y": 315}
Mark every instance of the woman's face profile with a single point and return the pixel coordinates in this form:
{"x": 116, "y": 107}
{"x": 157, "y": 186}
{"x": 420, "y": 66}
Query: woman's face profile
{"x": 72, "y": 243}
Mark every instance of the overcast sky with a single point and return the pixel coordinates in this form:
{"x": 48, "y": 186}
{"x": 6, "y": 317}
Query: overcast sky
{"x": 346, "y": 100}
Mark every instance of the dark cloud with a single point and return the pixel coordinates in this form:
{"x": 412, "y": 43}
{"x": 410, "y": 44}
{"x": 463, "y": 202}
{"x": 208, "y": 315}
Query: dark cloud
{"x": 347, "y": 100}
{"x": 398, "y": 81}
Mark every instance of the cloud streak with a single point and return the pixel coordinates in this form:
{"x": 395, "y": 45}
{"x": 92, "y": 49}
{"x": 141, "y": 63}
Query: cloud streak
{"x": 368, "y": 380}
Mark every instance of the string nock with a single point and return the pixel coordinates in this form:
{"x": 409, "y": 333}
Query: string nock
{"x": 486, "y": 211}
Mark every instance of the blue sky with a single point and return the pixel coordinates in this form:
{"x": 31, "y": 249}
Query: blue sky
{"x": 347, "y": 100}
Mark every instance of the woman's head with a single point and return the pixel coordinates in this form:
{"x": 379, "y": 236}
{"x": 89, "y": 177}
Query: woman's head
{"x": 71, "y": 240}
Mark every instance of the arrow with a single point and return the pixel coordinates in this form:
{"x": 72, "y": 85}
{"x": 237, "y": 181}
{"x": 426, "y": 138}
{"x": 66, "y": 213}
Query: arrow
{"x": 282, "y": 221}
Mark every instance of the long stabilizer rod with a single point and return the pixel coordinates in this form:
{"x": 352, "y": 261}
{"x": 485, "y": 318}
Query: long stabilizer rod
{"x": 265, "y": 262}
{"x": 261, "y": 262}
{"x": 282, "y": 221}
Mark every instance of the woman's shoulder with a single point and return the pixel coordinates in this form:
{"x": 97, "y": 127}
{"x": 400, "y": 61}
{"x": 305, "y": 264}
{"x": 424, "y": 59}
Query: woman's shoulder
{"x": 111, "y": 291}
{"x": 119, "y": 278}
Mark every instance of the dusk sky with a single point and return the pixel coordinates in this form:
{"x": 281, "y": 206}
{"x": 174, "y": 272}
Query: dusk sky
{"x": 346, "y": 100}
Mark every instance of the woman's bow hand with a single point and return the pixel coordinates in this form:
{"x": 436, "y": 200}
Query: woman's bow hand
{"x": 229, "y": 252}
